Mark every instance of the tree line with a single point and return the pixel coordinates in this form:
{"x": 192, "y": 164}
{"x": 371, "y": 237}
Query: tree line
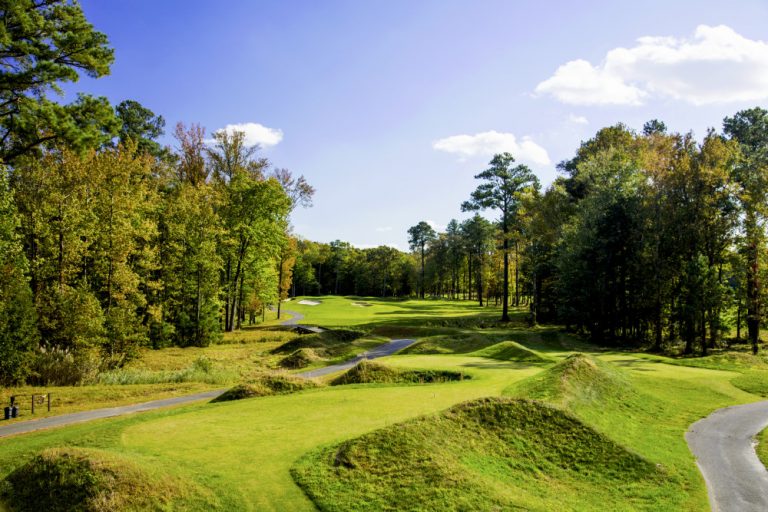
{"x": 647, "y": 237}
{"x": 650, "y": 237}
{"x": 109, "y": 241}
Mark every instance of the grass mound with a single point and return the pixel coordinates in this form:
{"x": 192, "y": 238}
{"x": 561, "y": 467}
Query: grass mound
{"x": 578, "y": 380}
{"x": 330, "y": 343}
{"x": 754, "y": 381}
{"x": 511, "y": 351}
{"x": 454, "y": 343}
{"x": 731, "y": 360}
{"x": 64, "y": 479}
{"x": 300, "y": 358}
{"x": 487, "y": 454}
{"x": 265, "y": 385}
{"x": 367, "y": 372}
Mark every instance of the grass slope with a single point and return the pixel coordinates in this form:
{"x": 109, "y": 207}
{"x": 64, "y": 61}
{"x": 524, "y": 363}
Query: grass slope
{"x": 512, "y": 351}
{"x": 367, "y": 372}
{"x": 488, "y": 454}
{"x": 64, "y": 479}
{"x": 266, "y": 385}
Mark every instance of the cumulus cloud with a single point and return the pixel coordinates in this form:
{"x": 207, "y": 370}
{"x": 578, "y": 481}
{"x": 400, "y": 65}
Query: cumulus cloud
{"x": 716, "y": 65}
{"x": 256, "y": 133}
{"x": 577, "y": 119}
{"x": 492, "y": 142}
{"x": 434, "y": 225}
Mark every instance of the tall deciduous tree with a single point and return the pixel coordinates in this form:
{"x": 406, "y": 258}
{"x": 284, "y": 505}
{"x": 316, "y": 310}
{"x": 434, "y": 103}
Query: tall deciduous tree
{"x": 18, "y": 327}
{"x": 500, "y": 191}
{"x": 418, "y": 238}
{"x": 750, "y": 129}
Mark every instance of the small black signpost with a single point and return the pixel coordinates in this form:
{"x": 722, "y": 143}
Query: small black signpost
{"x": 12, "y": 411}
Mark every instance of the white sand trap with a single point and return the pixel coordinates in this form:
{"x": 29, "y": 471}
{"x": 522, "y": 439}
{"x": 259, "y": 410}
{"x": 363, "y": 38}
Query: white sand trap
{"x": 309, "y": 302}
{"x": 362, "y": 304}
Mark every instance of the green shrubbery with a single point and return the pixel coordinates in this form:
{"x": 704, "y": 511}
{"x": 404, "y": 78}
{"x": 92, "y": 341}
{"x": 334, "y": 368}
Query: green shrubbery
{"x": 201, "y": 370}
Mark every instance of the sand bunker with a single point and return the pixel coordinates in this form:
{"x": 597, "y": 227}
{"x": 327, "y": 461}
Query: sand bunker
{"x": 362, "y": 304}
{"x": 309, "y": 302}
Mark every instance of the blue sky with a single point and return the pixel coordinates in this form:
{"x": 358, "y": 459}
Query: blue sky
{"x": 390, "y": 107}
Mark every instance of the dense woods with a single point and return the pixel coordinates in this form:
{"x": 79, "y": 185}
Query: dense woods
{"x": 110, "y": 242}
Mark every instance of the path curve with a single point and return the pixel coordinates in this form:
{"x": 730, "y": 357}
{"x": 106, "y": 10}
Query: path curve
{"x": 724, "y": 446}
{"x": 387, "y": 349}
{"x": 296, "y": 317}
{"x": 23, "y": 427}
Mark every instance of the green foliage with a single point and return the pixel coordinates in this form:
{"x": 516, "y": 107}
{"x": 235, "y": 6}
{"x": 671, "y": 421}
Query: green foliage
{"x": 55, "y": 366}
{"x": 367, "y": 372}
{"x": 202, "y": 370}
{"x": 73, "y": 479}
{"x": 18, "y": 327}
{"x": 141, "y": 126}
{"x": 43, "y": 45}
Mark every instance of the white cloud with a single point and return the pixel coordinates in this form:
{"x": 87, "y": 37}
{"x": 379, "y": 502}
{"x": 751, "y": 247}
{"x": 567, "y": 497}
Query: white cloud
{"x": 256, "y": 133}
{"x": 716, "y": 65}
{"x": 384, "y": 229}
{"x": 434, "y": 225}
{"x": 574, "y": 119}
{"x": 492, "y": 142}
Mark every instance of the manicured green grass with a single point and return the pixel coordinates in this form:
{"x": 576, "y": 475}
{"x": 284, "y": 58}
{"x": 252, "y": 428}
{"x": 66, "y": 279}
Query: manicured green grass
{"x": 334, "y": 311}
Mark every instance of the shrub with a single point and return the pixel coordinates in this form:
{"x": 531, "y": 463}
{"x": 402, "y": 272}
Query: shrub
{"x": 63, "y": 367}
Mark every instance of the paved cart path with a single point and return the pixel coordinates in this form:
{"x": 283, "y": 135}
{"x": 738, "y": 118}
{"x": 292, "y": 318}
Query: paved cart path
{"x": 386, "y": 349}
{"x": 724, "y": 446}
{"x": 23, "y": 427}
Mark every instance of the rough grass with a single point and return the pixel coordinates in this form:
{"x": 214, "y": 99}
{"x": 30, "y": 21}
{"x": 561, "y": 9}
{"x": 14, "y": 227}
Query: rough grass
{"x": 578, "y": 380}
{"x": 300, "y": 358}
{"x": 367, "y": 372}
{"x": 333, "y": 345}
{"x": 487, "y": 454}
{"x": 265, "y": 385}
{"x": 512, "y": 351}
{"x": 202, "y": 370}
{"x": 754, "y": 381}
{"x": 66, "y": 479}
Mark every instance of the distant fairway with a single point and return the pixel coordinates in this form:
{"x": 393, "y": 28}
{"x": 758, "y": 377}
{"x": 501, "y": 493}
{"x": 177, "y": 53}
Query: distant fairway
{"x": 334, "y": 311}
